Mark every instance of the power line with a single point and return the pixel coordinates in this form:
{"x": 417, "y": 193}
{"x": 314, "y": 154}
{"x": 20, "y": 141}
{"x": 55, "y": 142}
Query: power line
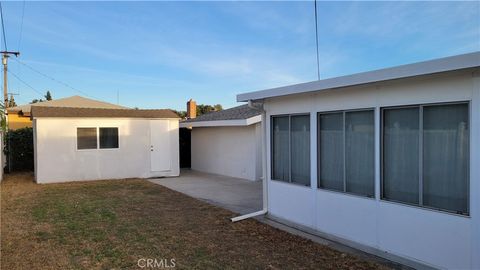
{"x": 53, "y": 79}
{"x": 27, "y": 84}
{"x": 3, "y": 27}
{"x": 21, "y": 26}
{"x": 316, "y": 40}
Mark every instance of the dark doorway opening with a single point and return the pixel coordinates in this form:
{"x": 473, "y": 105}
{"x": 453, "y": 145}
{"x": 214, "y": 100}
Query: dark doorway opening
{"x": 185, "y": 135}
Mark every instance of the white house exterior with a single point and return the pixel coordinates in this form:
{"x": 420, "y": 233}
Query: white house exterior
{"x": 227, "y": 142}
{"x": 2, "y": 156}
{"x": 386, "y": 161}
{"x": 77, "y": 144}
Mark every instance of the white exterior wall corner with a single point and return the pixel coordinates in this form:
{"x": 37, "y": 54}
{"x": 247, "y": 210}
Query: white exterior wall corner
{"x": 475, "y": 171}
{"x": 58, "y": 160}
{"x": 258, "y": 152}
{"x": 35, "y": 149}
{"x": 230, "y": 151}
{"x": 2, "y": 158}
{"x": 422, "y": 236}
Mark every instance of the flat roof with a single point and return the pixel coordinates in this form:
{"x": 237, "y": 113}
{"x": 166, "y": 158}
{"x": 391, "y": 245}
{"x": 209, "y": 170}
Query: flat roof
{"x": 452, "y": 63}
{"x": 42, "y": 111}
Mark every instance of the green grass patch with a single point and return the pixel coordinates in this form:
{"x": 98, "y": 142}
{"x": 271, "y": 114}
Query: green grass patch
{"x": 112, "y": 224}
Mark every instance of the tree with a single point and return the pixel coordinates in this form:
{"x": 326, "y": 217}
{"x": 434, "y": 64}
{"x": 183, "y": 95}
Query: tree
{"x": 11, "y": 102}
{"x": 48, "y": 96}
{"x": 3, "y": 122}
{"x": 203, "y": 109}
{"x": 218, "y": 107}
{"x": 36, "y": 101}
{"x": 181, "y": 114}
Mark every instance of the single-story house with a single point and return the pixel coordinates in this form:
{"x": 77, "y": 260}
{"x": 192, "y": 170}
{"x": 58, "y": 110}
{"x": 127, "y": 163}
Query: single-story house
{"x": 227, "y": 142}
{"x": 20, "y": 117}
{"x": 76, "y": 144}
{"x": 386, "y": 161}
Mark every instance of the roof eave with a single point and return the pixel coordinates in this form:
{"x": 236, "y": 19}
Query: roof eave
{"x": 223, "y": 123}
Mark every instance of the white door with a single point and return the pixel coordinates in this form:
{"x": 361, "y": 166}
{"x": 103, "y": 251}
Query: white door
{"x": 160, "y": 154}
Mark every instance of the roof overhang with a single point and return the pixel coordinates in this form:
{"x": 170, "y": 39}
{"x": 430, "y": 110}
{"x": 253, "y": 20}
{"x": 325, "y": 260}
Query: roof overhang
{"x": 459, "y": 62}
{"x": 69, "y": 112}
{"x": 223, "y": 123}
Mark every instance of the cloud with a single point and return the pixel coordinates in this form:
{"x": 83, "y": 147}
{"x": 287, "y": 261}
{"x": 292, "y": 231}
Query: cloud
{"x": 216, "y": 49}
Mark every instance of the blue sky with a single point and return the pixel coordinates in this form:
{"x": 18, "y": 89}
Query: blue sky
{"x": 160, "y": 54}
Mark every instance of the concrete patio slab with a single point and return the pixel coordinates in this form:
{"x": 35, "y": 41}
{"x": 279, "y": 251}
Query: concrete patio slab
{"x": 243, "y": 197}
{"x": 238, "y": 195}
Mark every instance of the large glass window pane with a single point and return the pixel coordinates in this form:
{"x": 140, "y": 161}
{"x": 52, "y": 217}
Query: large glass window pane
{"x": 300, "y": 148}
{"x": 445, "y": 157}
{"x": 280, "y": 148}
{"x": 331, "y": 151}
{"x": 401, "y": 155}
{"x": 359, "y": 153}
{"x": 86, "y": 138}
{"x": 108, "y": 137}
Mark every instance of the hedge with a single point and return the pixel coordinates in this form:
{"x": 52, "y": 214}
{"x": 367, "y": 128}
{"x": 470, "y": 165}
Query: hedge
{"x": 19, "y": 150}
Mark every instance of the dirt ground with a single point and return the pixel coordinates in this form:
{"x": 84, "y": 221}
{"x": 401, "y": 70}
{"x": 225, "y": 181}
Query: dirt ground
{"x": 120, "y": 224}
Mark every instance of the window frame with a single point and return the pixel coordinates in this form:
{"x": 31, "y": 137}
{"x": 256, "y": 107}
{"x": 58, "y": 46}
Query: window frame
{"x": 420, "y": 107}
{"x": 289, "y": 148}
{"x": 118, "y": 138}
{"x": 98, "y": 139}
{"x": 344, "y": 191}
{"x": 76, "y": 138}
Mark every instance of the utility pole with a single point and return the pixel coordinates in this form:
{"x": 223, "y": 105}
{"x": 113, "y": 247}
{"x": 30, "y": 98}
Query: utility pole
{"x": 5, "y": 56}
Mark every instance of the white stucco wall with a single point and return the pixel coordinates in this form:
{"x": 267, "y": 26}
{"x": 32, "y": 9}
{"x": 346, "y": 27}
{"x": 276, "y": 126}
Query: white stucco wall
{"x": 58, "y": 160}
{"x": 425, "y": 236}
{"x": 2, "y": 158}
{"x": 230, "y": 151}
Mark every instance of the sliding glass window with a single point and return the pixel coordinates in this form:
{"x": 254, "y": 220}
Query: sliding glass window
{"x": 401, "y": 135}
{"x": 426, "y": 156}
{"x": 291, "y": 148}
{"x": 346, "y": 152}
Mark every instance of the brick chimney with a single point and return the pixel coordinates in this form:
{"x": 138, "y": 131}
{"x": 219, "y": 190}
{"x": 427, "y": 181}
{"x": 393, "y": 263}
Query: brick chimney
{"x": 191, "y": 109}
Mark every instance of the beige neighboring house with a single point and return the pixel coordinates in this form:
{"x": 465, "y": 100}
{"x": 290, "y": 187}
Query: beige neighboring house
{"x": 20, "y": 116}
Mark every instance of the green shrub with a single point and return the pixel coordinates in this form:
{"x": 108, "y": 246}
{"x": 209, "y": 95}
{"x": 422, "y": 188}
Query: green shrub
{"x": 19, "y": 150}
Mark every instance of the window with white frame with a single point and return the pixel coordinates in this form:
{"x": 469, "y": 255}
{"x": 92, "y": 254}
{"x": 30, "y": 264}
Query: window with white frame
{"x": 425, "y": 156}
{"x": 291, "y": 148}
{"x": 91, "y": 138}
{"x": 346, "y": 152}
{"x": 108, "y": 137}
{"x": 87, "y": 138}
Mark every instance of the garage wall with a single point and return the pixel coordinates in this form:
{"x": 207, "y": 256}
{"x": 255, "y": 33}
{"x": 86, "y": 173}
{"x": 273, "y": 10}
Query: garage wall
{"x": 58, "y": 160}
{"x": 230, "y": 151}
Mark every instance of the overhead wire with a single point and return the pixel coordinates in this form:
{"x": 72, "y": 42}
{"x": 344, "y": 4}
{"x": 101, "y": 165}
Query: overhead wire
{"x": 52, "y": 78}
{"x": 316, "y": 40}
{"x": 3, "y": 27}
{"x": 26, "y": 65}
{"x": 27, "y": 84}
{"x": 21, "y": 26}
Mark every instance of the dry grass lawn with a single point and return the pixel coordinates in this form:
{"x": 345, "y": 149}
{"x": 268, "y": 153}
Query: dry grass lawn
{"x": 113, "y": 224}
